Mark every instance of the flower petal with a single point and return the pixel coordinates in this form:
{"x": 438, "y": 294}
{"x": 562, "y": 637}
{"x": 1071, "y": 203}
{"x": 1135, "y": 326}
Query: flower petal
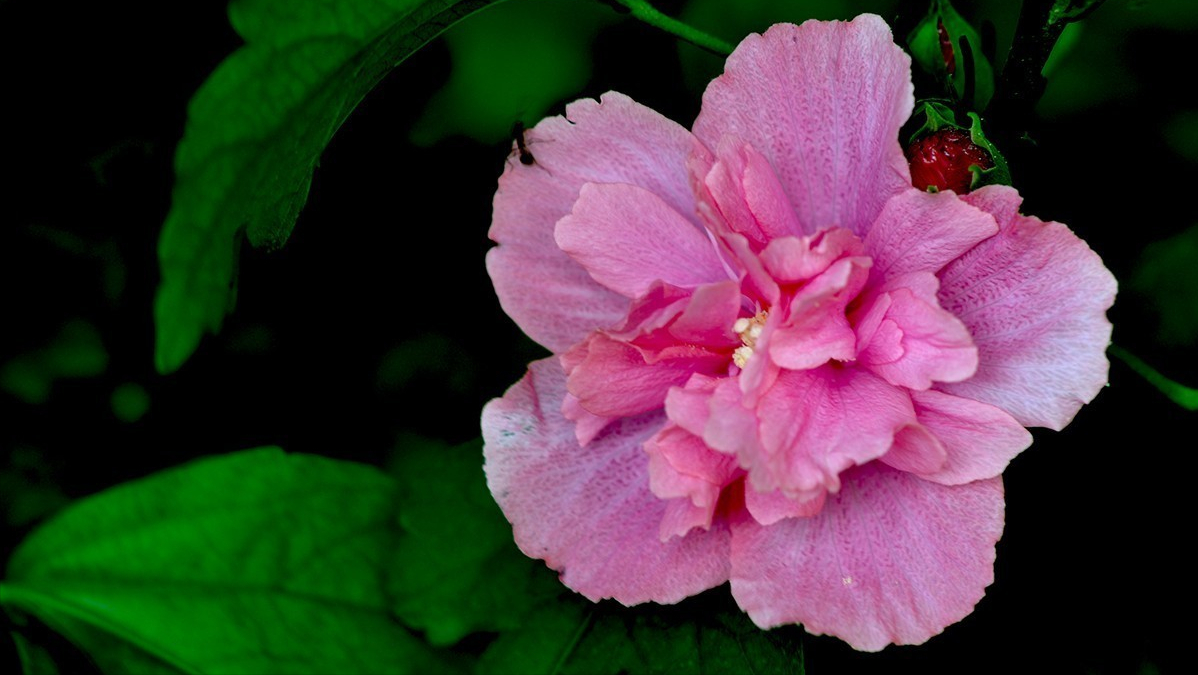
{"x": 616, "y": 140}
{"x": 890, "y": 559}
{"x": 627, "y": 238}
{"x": 979, "y": 439}
{"x": 823, "y": 102}
{"x": 683, "y": 468}
{"x": 811, "y": 426}
{"x": 916, "y": 342}
{"x": 768, "y": 508}
{"x": 1034, "y": 297}
{"x": 616, "y": 380}
{"x": 922, "y": 232}
{"x": 741, "y": 187}
{"x": 589, "y": 512}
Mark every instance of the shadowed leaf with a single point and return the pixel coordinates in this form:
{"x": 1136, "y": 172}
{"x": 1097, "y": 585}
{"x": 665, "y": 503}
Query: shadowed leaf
{"x": 255, "y": 131}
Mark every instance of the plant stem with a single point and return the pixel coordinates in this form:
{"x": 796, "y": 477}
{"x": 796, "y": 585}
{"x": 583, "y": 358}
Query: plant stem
{"x": 645, "y": 12}
{"x": 1178, "y": 393}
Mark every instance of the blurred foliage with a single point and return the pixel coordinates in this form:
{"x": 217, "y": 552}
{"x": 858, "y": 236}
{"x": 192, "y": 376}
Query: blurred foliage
{"x": 511, "y": 63}
{"x": 1089, "y": 67}
{"x": 76, "y": 352}
{"x": 1166, "y": 277}
{"x": 1181, "y": 133}
{"x": 130, "y": 402}
{"x": 255, "y": 133}
{"x": 428, "y": 356}
{"x": 29, "y": 488}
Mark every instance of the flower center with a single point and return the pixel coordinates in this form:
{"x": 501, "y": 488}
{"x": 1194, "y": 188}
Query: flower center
{"x": 749, "y": 329}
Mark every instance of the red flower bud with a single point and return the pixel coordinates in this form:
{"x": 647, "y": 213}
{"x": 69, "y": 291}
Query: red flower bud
{"x": 942, "y": 159}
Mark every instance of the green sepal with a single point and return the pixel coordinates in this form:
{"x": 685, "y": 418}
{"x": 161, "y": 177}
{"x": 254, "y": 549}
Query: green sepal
{"x": 937, "y": 115}
{"x": 1000, "y": 173}
{"x": 924, "y": 43}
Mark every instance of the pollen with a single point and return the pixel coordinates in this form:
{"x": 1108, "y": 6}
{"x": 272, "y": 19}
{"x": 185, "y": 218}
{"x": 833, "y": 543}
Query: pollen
{"x": 749, "y": 329}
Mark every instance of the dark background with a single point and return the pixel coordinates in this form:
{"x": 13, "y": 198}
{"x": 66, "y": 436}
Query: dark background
{"x": 340, "y": 344}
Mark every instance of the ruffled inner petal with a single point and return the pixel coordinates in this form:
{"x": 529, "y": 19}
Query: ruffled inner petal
{"x": 906, "y": 338}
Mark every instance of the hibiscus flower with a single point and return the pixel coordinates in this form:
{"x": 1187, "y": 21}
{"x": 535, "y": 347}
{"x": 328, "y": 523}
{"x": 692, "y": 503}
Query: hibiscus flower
{"x": 775, "y": 362}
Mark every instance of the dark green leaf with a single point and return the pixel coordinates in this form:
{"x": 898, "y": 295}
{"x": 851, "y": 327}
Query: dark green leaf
{"x": 572, "y": 635}
{"x": 458, "y": 570}
{"x": 256, "y": 562}
{"x": 255, "y": 131}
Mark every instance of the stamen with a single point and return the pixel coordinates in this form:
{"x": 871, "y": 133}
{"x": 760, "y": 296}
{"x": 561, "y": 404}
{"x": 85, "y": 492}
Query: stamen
{"x": 749, "y": 330}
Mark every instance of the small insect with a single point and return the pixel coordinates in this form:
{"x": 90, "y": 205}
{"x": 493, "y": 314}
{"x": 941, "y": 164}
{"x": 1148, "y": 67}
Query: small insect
{"x": 526, "y": 157}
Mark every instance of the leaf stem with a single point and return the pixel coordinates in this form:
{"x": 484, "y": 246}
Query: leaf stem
{"x": 1180, "y": 394}
{"x": 642, "y": 10}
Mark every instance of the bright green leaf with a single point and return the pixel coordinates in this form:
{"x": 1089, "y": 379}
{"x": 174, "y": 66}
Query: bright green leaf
{"x": 458, "y": 570}
{"x": 512, "y": 63}
{"x": 255, "y": 562}
{"x": 255, "y": 131}
{"x": 572, "y": 635}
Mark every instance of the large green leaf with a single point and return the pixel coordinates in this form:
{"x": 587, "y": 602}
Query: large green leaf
{"x": 707, "y": 634}
{"x": 458, "y": 570}
{"x": 255, "y": 131}
{"x": 256, "y": 562}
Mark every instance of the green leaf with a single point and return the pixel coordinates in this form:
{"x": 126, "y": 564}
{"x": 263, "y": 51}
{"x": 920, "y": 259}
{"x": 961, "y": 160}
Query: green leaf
{"x": 512, "y": 63}
{"x": 458, "y": 570}
{"x": 255, "y": 562}
{"x": 572, "y": 635}
{"x": 255, "y": 132}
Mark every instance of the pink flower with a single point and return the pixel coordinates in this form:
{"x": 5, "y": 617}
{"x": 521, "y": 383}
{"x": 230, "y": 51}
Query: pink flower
{"x": 777, "y": 363}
